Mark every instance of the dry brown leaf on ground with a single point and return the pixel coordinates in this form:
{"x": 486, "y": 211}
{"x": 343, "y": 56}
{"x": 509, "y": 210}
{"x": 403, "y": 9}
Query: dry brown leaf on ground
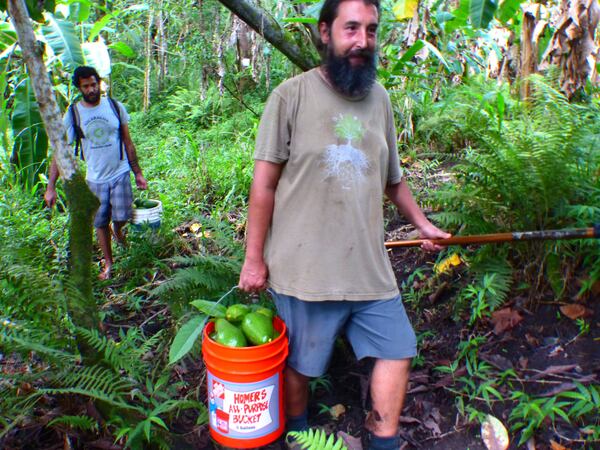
{"x": 494, "y": 434}
{"x": 574, "y": 311}
{"x": 556, "y": 446}
{"x": 554, "y": 370}
{"x": 351, "y": 442}
{"x": 337, "y": 410}
{"x": 409, "y": 420}
{"x": 432, "y": 426}
{"x": 505, "y": 319}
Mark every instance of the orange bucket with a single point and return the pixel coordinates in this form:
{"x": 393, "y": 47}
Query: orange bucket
{"x": 245, "y": 390}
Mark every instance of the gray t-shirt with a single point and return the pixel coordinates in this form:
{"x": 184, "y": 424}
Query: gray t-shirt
{"x": 101, "y": 150}
{"x": 326, "y": 240}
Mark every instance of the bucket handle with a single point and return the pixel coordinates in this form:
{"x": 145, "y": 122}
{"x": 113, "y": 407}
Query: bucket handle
{"x": 216, "y": 303}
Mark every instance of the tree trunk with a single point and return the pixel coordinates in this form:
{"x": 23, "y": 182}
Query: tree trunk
{"x": 528, "y": 53}
{"x": 82, "y": 203}
{"x": 148, "y": 69}
{"x": 302, "y": 55}
{"x": 220, "y": 58}
{"x": 162, "y": 47}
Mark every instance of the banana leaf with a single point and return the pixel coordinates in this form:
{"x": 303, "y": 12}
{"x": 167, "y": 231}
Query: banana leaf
{"x": 64, "y": 41}
{"x": 30, "y": 147}
{"x": 482, "y": 12}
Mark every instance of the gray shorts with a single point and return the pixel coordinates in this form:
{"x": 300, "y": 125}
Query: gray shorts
{"x": 378, "y": 329}
{"x": 115, "y": 198}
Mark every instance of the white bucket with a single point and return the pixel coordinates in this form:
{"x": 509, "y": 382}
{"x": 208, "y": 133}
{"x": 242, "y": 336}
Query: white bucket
{"x": 149, "y": 216}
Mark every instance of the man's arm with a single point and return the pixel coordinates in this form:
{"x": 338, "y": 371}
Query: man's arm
{"x": 401, "y": 196}
{"x": 140, "y": 181}
{"x": 50, "y": 194}
{"x": 260, "y": 212}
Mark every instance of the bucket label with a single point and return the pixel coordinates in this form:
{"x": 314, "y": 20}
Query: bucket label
{"x": 243, "y": 410}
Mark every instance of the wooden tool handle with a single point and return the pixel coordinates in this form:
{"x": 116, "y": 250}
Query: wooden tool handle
{"x": 577, "y": 233}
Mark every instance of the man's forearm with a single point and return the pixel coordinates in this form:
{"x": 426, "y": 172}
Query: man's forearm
{"x": 260, "y": 210}
{"x": 132, "y": 157}
{"x": 130, "y": 150}
{"x": 401, "y": 196}
{"x": 260, "y": 213}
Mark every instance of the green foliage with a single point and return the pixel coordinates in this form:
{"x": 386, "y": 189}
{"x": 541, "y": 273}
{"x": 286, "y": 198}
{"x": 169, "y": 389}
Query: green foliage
{"x": 186, "y": 338}
{"x": 464, "y": 114}
{"x": 492, "y": 280}
{"x": 412, "y": 291}
{"x": 527, "y": 173}
{"x": 579, "y": 405}
{"x": 323, "y": 382}
{"x": 127, "y": 354}
{"x": 64, "y": 41}
{"x": 482, "y": 12}
{"x": 30, "y": 139}
{"x": 85, "y": 423}
{"x": 200, "y": 276}
{"x": 316, "y": 440}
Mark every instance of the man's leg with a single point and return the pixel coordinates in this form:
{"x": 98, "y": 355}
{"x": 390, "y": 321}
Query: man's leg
{"x": 296, "y": 400}
{"x": 312, "y": 330}
{"x": 103, "y": 234}
{"x": 117, "y": 228}
{"x": 381, "y": 330}
{"x": 102, "y": 223}
{"x": 121, "y": 199}
{"x": 388, "y": 390}
{"x": 296, "y": 392}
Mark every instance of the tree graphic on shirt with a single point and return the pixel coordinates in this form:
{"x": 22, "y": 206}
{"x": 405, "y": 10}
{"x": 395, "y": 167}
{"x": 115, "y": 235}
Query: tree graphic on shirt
{"x": 344, "y": 161}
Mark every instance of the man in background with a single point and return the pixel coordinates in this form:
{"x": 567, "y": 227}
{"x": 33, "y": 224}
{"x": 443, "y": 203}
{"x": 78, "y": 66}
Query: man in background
{"x": 98, "y": 124}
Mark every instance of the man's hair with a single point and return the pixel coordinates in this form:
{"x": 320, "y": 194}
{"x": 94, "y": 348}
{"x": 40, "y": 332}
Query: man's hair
{"x": 330, "y": 8}
{"x": 84, "y": 72}
{"x": 329, "y": 12}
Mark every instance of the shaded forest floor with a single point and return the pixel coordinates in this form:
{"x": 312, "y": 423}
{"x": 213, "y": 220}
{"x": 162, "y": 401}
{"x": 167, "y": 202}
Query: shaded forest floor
{"x": 546, "y": 354}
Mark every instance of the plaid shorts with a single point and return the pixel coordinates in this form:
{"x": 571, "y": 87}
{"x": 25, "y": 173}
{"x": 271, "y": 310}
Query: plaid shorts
{"x": 116, "y": 198}
{"x": 376, "y": 328}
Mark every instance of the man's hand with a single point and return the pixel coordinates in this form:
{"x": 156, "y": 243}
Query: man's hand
{"x": 253, "y": 276}
{"x": 141, "y": 182}
{"x": 50, "y": 197}
{"x": 430, "y": 231}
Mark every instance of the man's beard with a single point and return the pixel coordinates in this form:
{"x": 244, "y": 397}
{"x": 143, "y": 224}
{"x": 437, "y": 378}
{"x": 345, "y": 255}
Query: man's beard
{"x": 348, "y": 80}
{"x": 92, "y": 97}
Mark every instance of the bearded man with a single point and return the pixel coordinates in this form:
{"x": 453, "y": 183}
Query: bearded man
{"x": 325, "y": 156}
{"x": 99, "y": 125}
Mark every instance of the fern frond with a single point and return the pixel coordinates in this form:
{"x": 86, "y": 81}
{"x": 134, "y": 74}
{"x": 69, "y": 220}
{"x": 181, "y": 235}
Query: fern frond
{"x": 203, "y": 274}
{"x": 91, "y": 393}
{"x": 95, "y": 382}
{"x": 85, "y": 423}
{"x": 500, "y": 274}
{"x": 22, "y": 337}
{"x": 312, "y": 439}
{"x": 125, "y": 354}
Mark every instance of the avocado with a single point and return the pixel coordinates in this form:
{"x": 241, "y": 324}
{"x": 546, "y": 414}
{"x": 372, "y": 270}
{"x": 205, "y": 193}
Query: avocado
{"x": 264, "y": 311}
{"x": 235, "y": 313}
{"x": 229, "y": 335}
{"x": 258, "y": 328}
{"x": 144, "y": 204}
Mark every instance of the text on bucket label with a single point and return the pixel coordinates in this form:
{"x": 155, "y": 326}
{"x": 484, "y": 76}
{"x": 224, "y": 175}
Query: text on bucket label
{"x": 244, "y": 410}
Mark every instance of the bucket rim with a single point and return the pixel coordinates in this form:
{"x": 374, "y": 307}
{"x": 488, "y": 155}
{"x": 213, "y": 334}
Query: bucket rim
{"x": 276, "y": 321}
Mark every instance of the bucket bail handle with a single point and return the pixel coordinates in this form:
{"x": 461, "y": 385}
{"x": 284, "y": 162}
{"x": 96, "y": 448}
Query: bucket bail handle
{"x": 216, "y": 303}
